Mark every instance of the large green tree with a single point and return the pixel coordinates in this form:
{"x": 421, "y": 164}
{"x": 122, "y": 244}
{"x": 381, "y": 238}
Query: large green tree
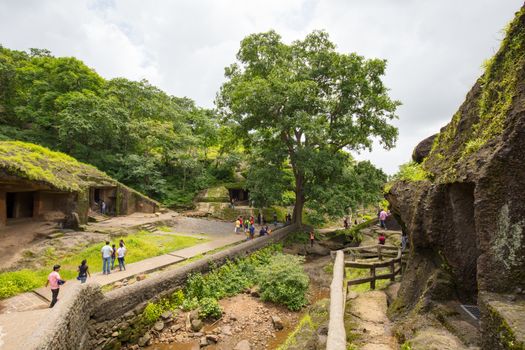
{"x": 305, "y": 105}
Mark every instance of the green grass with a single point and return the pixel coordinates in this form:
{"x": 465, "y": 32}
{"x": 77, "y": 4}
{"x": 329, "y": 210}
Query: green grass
{"x": 353, "y": 273}
{"x": 140, "y": 246}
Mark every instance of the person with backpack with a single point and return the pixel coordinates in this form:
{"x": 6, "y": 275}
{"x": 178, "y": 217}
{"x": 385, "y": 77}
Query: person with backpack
{"x": 83, "y": 272}
{"x": 55, "y": 281}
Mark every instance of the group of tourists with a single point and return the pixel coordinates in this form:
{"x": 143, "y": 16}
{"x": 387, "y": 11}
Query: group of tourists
{"x": 247, "y": 226}
{"x": 109, "y": 254}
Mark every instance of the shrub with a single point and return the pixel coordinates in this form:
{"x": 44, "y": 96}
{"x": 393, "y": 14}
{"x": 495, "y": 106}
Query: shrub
{"x": 283, "y": 281}
{"x": 209, "y": 308}
{"x": 12, "y": 283}
{"x": 411, "y": 172}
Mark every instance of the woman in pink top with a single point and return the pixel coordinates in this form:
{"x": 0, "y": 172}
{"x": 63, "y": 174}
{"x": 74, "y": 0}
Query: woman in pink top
{"x": 54, "y": 281}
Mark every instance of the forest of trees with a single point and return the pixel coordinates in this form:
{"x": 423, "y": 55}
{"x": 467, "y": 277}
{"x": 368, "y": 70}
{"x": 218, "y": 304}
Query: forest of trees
{"x": 169, "y": 148}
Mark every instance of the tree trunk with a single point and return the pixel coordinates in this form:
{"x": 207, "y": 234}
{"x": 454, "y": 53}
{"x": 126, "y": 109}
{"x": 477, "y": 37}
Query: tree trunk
{"x": 299, "y": 201}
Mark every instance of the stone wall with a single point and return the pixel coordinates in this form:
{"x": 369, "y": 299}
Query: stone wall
{"x": 88, "y": 319}
{"x": 67, "y": 324}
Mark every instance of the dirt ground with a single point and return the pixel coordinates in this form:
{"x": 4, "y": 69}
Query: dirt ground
{"x": 24, "y": 244}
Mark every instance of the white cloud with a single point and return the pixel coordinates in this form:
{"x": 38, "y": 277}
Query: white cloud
{"x": 434, "y": 48}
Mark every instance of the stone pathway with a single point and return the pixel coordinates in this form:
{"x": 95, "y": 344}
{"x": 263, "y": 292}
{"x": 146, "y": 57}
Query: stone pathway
{"x": 370, "y": 324}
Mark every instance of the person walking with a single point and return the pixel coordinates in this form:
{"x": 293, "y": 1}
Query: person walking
{"x": 103, "y": 207}
{"x": 259, "y": 218}
{"x": 252, "y": 231}
{"x": 121, "y": 253}
{"x": 83, "y": 272}
{"x": 382, "y": 218}
{"x": 312, "y": 238}
{"x": 54, "y": 281}
{"x": 106, "y": 253}
{"x": 381, "y": 239}
{"x": 237, "y": 226}
{"x": 113, "y": 256}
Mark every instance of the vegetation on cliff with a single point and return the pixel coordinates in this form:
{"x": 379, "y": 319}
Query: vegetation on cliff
{"x": 482, "y": 117}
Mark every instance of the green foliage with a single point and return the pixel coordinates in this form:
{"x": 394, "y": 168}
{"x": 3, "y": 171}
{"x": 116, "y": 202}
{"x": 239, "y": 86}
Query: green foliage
{"x": 209, "y": 308}
{"x": 156, "y": 143}
{"x": 411, "y": 171}
{"x": 152, "y": 311}
{"x": 12, "y": 283}
{"x": 284, "y": 281}
{"x": 297, "y": 107}
{"x": 406, "y": 346}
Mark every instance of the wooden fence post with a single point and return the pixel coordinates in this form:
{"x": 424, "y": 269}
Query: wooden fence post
{"x": 373, "y": 275}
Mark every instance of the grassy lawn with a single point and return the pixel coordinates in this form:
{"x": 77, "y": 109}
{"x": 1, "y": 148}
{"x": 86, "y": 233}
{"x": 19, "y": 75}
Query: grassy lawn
{"x": 140, "y": 246}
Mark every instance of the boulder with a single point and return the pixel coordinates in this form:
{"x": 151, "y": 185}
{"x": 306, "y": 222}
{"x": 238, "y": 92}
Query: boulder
{"x": 140, "y": 277}
{"x": 243, "y": 345}
{"x": 144, "y": 340}
{"x": 158, "y": 326}
{"x": 423, "y": 149}
{"x": 166, "y": 315}
{"x": 277, "y": 322}
{"x": 196, "y": 325}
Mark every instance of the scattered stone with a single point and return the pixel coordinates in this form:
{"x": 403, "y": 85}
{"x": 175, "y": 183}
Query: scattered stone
{"x": 212, "y": 338}
{"x": 114, "y": 334}
{"x": 144, "y": 340}
{"x": 243, "y": 345}
{"x": 159, "y": 325}
{"x": 203, "y": 341}
{"x": 140, "y": 277}
{"x": 233, "y": 317}
{"x": 277, "y": 322}
{"x": 254, "y": 292}
{"x": 117, "y": 284}
{"x": 194, "y": 315}
{"x": 166, "y": 315}
{"x": 130, "y": 282}
{"x": 196, "y": 325}
{"x": 176, "y": 327}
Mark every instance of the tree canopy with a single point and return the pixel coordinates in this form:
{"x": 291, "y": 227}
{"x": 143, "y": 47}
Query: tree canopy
{"x": 303, "y": 106}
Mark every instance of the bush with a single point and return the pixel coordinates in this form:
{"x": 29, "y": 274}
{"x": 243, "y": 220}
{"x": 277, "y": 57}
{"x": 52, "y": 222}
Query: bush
{"x": 153, "y": 311}
{"x": 283, "y": 281}
{"x": 209, "y": 308}
{"x": 12, "y": 283}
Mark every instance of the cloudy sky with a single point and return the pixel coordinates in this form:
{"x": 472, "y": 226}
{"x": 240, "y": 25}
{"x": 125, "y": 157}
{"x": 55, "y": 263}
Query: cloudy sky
{"x": 434, "y": 48}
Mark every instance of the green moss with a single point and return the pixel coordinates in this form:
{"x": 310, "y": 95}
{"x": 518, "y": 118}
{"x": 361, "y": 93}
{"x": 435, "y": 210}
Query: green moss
{"x": 37, "y": 163}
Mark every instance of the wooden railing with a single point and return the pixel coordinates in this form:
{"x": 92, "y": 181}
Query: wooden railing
{"x": 388, "y": 256}
{"x": 336, "y": 339}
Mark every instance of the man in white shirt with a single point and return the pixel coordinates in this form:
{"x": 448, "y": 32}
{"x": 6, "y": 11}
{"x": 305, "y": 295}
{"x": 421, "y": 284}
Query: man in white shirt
{"x": 121, "y": 253}
{"x": 106, "y": 252}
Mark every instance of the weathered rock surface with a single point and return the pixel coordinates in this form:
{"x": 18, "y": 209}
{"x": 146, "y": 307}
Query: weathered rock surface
{"x": 466, "y": 223}
{"x": 243, "y": 345}
{"x": 423, "y": 149}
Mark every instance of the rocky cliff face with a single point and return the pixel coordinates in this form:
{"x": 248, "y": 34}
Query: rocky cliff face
{"x": 466, "y": 222}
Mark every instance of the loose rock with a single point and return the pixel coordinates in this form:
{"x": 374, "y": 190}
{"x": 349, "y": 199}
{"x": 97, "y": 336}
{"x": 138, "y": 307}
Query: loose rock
{"x": 277, "y": 322}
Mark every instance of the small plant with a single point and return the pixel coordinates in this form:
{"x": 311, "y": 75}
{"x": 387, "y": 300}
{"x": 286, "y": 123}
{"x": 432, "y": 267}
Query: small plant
{"x": 411, "y": 171}
{"x": 406, "y": 346}
{"x": 209, "y": 308}
{"x": 283, "y": 281}
{"x": 190, "y": 304}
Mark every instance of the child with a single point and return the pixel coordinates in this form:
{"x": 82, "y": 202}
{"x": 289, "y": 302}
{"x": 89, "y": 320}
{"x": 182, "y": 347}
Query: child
{"x": 382, "y": 238}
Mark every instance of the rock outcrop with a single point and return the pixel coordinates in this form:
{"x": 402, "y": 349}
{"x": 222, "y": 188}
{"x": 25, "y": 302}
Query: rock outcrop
{"x": 466, "y": 222}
